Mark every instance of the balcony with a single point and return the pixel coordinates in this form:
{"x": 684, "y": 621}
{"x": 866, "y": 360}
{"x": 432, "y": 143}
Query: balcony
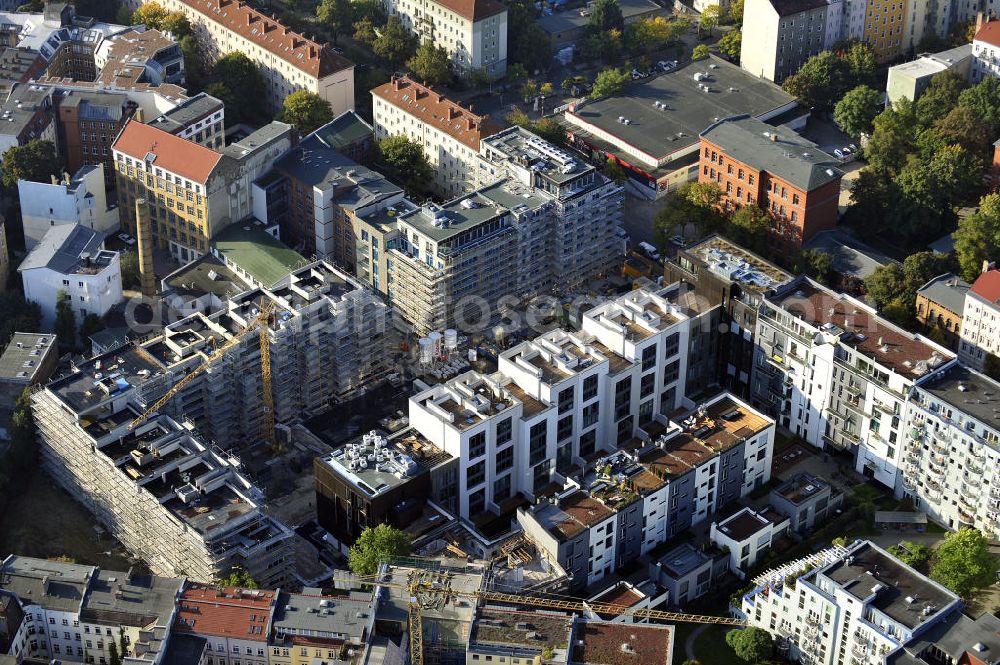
{"x": 974, "y": 469}
{"x": 939, "y": 446}
{"x": 973, "y": 480}
{"x": 966, "y": 516}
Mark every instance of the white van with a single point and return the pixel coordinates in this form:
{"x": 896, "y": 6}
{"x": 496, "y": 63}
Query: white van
{"x": 649, "y": 251}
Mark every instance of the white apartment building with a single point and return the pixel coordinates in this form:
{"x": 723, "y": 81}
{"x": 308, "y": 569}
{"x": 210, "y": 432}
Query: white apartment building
{"x": 779, "y": 36}
{"x": 951, "y": 458}
{"x": 986, "y": 51}
{"x": 559, "y": 399}
{"x": 474, "y": 32}
{"x": 670, "y": 476}
{"x": 449, "y": 133}
{"x": 747, "y": 535}
{"x": 980, "y": 334}
{"x": 77, "y": 200}
{"x": 855, "y": 605}
{"x": 832, "y": 371}
{"x": 288, "y": 60}
{"x": 74, "y": 613}
{"x": 71, "y": 258}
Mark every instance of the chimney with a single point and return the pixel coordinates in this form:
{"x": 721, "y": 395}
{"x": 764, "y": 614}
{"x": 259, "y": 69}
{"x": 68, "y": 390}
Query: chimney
{"x": 397, "y": 83}
{"x": 989, "y": 265}
{"x": 774, "y": 137}
{"x": 452, "y": 112}
{"x": 980, "y": 19}
{"x": 144, "y": 234}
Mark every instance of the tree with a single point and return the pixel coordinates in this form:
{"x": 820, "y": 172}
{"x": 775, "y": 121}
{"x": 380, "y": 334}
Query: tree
{"x": 65, "y": 325}
{"x": 940, "y": 97}
{"x": 709, "y": 18}
{"x": 893, "y": 138}
{"x": 859, "y": 64}
{"x": 91, "y": 324}
{"x": 886, "y": 284}
{"x": 527, "y": 43}
{"x": 610, "y": 82}
{"x": 700, "y": 52}
{"x": 963, "y": 562}
{"x": 36, "y": 161}
{"x": 856, "y": 111}
{"x": 102, "y": 10}
{"x": 195, "y": 72}
{"x": 983, "y": 99}
{"x": 337, "y": 16}
{"x": 961, "y": 127}
{"x": 816, "y": 263}
{"x": 177, "y": 24}
{"x": 364, "y": 31}
{"x": 545, "y": 89}
{"x": 819, "y": 82}
{"x": 374, "y": 545}
{"x": 736, "y": 12}
{"x": 606, "y": 45}
{"x": 528, "y": 90}
{"x": 751, "y": 226}
{"x": 150, "y": 14}
{"x": 991, "y": 366}
{"x": 394, "y": 43}
{"x": 754, "y": 645}
{"x": 614, "y": 170}
{"x": 606, "y": 15}
{"x": 113, "y": 657}
{"x": 692, "y": 203}
{"x": 129, "y": 262}
{"x": 932, "y": 188}
{"x": 19, "y": 315}
{"x": 431, "y": 64}
{"x": 871, "y": 194}
{"x": 977, "y": 238}
{"x": 731, "y": 44}
{"x": 240, "y": 578}
{"x": 236, "y": 80}
{"x": 656, "y": 32}
{"x": 704, "y": 194}
{"x": 306, "y": 110}
{"x": 913, "y": 555}
{"x": 404, "y": 161}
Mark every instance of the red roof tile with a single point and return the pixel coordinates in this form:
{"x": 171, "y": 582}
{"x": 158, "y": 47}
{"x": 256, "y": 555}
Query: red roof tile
{"x": 229, "y": 612}
{"x": 989, "y": 32}
{"x": 435, "y": 110}
{"x": 987, "y": 285}
{"x": 474, "y": 10}
{"x": 177, "y": 155}
{"x": 307, "y": 55}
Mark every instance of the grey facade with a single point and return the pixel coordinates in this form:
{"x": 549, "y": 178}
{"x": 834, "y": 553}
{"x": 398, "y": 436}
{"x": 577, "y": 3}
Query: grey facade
{"x": 805, "y": 500}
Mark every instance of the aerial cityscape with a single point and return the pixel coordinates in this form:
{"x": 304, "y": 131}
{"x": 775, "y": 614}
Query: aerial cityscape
{"x": 499, "y": 332}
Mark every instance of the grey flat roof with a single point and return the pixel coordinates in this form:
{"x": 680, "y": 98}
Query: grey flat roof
{"x": 459, "y": 216}
{"x": 659, "y": 132}
{"x": 955, "y": 636}
{"x": 738, "y": 264}
{"x": 25, "y": 347}
{"x": 129, "y": 598}
{"x": 682, "y": 560}
{"x": 873, "y": 571}
{"x": 743, "y": 524}
{"x": 571, "y": 19}
{"x": 62, "y": 249}
{"x": 946, "y": 290}
{"x": 850, "y": 256}
{"x": 345, "y": 129}
{"x": 205, "y": 275}
{"x": 54, "y": 585}
{"x": 790, "y": 156}
{"x": 187, "y": 112}
{"x": 969, "y": 391}
{"x": 313, "y": 614}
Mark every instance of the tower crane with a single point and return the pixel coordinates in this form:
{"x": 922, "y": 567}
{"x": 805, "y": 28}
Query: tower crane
{"x": 261, "y": 323}
{"x": 422, "y": 588}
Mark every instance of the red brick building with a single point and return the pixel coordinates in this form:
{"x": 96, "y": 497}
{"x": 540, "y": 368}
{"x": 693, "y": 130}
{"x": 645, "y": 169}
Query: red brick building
{"x": 775, "y": 169}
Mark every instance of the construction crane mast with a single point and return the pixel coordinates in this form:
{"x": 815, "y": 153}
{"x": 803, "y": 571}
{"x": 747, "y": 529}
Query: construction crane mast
{"x": 426, "y": 590}
{"x": 259, "y": 322}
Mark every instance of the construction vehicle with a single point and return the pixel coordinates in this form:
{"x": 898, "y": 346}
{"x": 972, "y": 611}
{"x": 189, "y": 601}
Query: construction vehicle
{"x": 426, "y": 588}
{"x": 260, "y": 323}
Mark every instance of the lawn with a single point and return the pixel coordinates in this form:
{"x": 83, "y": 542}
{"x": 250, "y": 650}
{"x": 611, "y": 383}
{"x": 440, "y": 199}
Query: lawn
{"x": 44, "y": 521}
{"x": 710, "y": 647}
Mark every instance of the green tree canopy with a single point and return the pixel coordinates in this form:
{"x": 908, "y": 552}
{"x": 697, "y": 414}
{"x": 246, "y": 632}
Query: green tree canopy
{"x": 977, "y": 238}
{"x": 90, "y": 325}
{"x": 912, "y": 554}
{"x": 177, "y": 24}
{"x": 150, "y": 14}
{"x": 374, "y": 545}
{"x": 240, "y": 578}
{"x": 859, "y": 63}
{"x": 431, "y": 64}
{"x": 404, "y": 161}
{"x": 692, "y": 203}
{"x": 237, "y": 81}
{"x": 394, "y": 43}
{"x": 19, "y": 315}
{"x": 306, "y": 110}
{"x": 893, "y": 138}
{"x": 940, "y": 97}
{"x": 36, "y": 161}
{"x": 819, "y": 82}
{"x": 527, "y": 43}
{"x": 65, "y": 325}
{"x": 710, "y": 17}
{"x": 731, "y": 43}
{"x": 817, "y": 264}
{"x": 991, "y": 366}
{"x": 610, "y": 82}
{"x": 700, "y": 52}
{"x": 983, "y": 99}
{"x": 606, "y": 15}
{"x": 856, "y": 111}
{"x": 753, "y": 645}
{"x": 338, "y": 16}
{"x": 750, "y": 226}
{"x": 963, "y": 563}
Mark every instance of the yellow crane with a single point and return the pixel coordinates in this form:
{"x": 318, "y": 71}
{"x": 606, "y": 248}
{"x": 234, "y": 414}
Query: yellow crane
{"x": 261, "y": 323}
{"x": 420, "y": 587}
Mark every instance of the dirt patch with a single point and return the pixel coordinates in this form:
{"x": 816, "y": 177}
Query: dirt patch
{"x": 44, "y": 521}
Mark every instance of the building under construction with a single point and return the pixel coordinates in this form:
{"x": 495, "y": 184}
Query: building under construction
{"x": 171, "y": 496}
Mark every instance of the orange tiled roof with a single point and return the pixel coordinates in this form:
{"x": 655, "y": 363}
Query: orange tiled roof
{"x": 987, "y": 285}
{"x": 306, "y": 54}
{"x": 434, "y": 109}
{"x": 230, "y": 612}
{"x": 177, "y": 155}
{"x": 989, "y": 32}
{"x": 473, "y": 10}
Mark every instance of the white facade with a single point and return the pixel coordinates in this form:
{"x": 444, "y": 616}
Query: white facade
{"x": 747, "y": 535}
{"x": 839, "y": 375}
{"x": 846, "y": 605}
{"x": 475, "y": 37}
{"x": 81, "y": 200}
{"x": 775, "y": 45}
{"x": 980, "y": 334}
{"x": 985, "y": 56}
{"x": 90, "y": 275}
{"x": 952, "y": 455}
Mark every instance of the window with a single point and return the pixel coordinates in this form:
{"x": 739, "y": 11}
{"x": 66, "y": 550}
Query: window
{"x": 477, "y": 445}
{"x": 565, "y": 400}
{"x": 589, "y": 388}
{"x": 475, "y": 474}
{"x": 536, "y": 443}
{"x": 648, "y": 358}
{"x": 503, "y": 431}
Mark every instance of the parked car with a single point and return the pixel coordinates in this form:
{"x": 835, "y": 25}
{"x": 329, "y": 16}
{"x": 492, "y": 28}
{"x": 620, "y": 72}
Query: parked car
{"x": 649, "y": 251}
{"x": 126, "y": 238}
{"x": 679, "y": 241}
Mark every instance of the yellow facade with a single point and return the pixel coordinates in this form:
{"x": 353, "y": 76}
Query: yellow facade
{"x": 178, "y": 207}
{"x": 885, "y": 22}
{"x": 302, "y": 654}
